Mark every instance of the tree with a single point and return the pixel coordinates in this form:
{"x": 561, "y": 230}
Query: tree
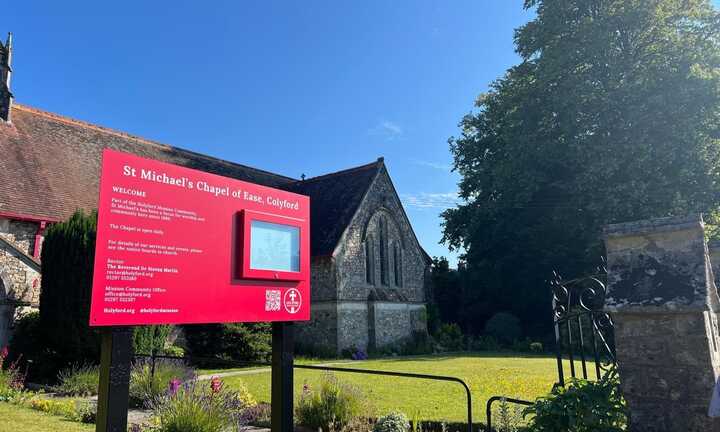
{"x": 445, "y": 305}
{"x": 67, "y": 256}
{"x": 232, "y": 341}
{"x": 612, "y": 115}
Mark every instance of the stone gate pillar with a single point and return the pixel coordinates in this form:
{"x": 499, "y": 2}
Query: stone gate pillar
{"x": 663, "y": 300}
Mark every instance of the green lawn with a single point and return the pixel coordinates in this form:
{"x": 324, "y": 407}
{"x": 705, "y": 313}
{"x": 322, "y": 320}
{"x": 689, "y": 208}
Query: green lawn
{"x": 298, "y": 360}
{"x": 488, "y": 374}
{"x": 15, "y": 418}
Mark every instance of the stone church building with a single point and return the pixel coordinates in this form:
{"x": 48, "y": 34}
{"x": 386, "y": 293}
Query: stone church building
{"x": 369, "y": 273}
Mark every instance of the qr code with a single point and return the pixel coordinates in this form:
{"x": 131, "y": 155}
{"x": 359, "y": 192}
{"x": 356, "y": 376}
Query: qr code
{"x": 272, "y": 300}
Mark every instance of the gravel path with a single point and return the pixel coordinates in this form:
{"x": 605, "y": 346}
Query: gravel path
{"x": 262, "y": 370}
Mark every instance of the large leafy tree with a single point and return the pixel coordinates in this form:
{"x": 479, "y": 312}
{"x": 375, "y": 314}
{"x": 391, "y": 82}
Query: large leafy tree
{"x": 612, "y": 115}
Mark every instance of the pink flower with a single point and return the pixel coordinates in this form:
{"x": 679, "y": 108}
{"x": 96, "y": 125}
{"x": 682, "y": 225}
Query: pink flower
{"x": 173, "y": 386}
{"x": 216, "y": 384}
{"x": 4, "y": 353}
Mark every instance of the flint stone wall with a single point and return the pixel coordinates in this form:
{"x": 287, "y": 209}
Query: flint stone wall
{"x": 663, "y": 301}
{"x": 319, "y": 335}
{"x": 395, "y": 322}
{"x": 347, "y": 311}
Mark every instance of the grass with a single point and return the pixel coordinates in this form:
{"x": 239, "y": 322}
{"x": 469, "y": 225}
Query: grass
{"x": 16, "y": 418}
{"x": 487, "y": 374}
{"x": 298, "y": 360}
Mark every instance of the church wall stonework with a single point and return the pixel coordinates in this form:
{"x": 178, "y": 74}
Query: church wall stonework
{"x": 380, "y": 199}
{"x": 19, "y": 274}
{"x": 21, "y": 282}
{"x": 345, "y": 311}
{"x": 352, "y": 325}
{"x": 393, "y": 321}
{"x": 322, "y": 279}
{"x": 321, "y": 332}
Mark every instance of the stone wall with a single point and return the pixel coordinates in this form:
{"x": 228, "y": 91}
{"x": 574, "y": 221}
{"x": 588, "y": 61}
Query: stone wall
{"x": 663, "y": 301}
{"x": 353, "y": 330}
{"x": 382, "y": 200}
{"x": 342, "y": 316}
{"x": 19, "y": 272}
{"x": 395, "y": 322}
{"x": 320, "y": 334}
{"x": 323, "y": 279}
{"x": 20, "y": 276}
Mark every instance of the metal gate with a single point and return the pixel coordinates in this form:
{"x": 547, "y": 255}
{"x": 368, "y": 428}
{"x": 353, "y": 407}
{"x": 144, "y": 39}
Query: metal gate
{"x": 584, "y": 332}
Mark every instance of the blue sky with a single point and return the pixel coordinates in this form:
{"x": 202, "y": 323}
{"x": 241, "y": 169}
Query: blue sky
{"x": 291, "y": 87}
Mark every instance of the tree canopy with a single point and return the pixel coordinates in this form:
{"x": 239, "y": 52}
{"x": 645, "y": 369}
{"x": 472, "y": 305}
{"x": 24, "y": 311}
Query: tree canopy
{"x": 611, "y": 116}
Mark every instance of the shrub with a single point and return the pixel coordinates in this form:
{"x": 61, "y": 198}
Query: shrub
{"x": 354, "y": 353}
{"x": 347, "y": 353}
{"x": 175, "y": 351}
{"x": 536, "y": 347}
{"x": 581, "y": 406}
{"x": 79, "y": 411}
{"x": 393, "y": 422}
{"x": 146, "y": 386}
{"x": 27, "y": 342}
{"x": 334, "y": 404}
{"x": 67, "y": 256}
{"x": 450, "y": 337}
{"x": 384, "y": 351}
{"x": 433, "y": 317}
{"x": 317, "y": 351}
{"x": 243, "y": 394}
{"x": 198, "y": 407}
{"x": 359, "y": 355}
{"x": 78, "y": 381}
{"x": 504, "y": 327}
{"x": 63, "y": 407}
{"x": 12, "y": 379}
{"x": 484, "y": 343}
{"x": 236, "y": 341}
{"x": 509, "y": 418}
{"x": 86, "y": 411}
{"x": 256, "y": 415}
{"x": 419, "y": 343}
{"x": 147, "y": 339}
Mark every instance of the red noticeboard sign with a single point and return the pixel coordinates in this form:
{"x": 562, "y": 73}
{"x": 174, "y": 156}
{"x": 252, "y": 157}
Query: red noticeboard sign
{"x": 180, "y": 246}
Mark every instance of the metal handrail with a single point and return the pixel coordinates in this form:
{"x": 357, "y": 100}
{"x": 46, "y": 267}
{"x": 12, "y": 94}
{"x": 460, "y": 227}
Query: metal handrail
{"x": 402, "y": 375}
{"x": 468, "y": 393}
{"x": 488, "y": 407}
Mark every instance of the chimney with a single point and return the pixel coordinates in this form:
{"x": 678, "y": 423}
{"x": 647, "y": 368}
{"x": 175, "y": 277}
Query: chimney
{"x": 6, "y": 96}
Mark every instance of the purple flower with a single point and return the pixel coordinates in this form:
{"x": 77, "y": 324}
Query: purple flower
{"x": 359, "y": 355}
{"x": 173, "y": 386}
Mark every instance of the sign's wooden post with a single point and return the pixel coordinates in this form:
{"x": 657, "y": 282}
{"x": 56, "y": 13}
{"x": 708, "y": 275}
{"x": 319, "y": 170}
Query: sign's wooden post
{"x": 113, "y": 391}
{"x": 282, "y": 377}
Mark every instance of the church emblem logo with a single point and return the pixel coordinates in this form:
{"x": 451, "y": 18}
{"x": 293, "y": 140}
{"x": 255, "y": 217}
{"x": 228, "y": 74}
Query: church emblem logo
{"x": 292, "y": 300}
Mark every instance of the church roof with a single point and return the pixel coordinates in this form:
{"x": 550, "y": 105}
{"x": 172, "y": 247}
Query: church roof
{"x": 50, "y": 167}
{"x": 334, "y": 199}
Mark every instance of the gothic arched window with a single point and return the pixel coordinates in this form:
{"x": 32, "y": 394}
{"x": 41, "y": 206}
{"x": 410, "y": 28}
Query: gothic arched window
{"x": 397, "y": 264}
{"x": 382, "y": 225}
{"x": 369, "y": 260}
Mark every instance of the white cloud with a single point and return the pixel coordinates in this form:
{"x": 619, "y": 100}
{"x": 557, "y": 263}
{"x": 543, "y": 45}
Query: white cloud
{"x": 434, "y": 165}
{"x": 387, "y": 130}
{"x": 426, "y": 200}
